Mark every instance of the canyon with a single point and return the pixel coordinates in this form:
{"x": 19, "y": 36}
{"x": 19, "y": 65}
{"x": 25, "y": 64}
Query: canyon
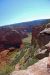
{"x": 24, "y": 48}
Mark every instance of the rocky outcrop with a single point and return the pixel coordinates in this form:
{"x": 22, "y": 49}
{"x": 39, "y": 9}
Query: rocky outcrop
{"x": 41, "y": 35}
{"x": 9, "y": 38}
{"x": 46, "y": 31}
{"x": 48, "y": 46}
{"x": 39, "y": 68}
{"x": 3, "y": 58}
{"x": 41, "y": 53}
{"x": 44, "y": 37}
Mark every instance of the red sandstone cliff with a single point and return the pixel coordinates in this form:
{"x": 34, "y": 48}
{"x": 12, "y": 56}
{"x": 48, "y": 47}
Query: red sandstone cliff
{"x": 9, "y": 38}
{"x": 37, "y": 37}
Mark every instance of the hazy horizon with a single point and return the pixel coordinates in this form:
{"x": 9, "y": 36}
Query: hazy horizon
{"x": 17, "y": 11}
{"x": 23, "y": 22}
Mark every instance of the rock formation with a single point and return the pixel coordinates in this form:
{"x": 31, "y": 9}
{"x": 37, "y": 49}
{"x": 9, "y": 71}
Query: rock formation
{"x": 39, "y": 68}
{"x": 41, "y": 35}
{"x": 41, "y": 53}
{"x": 41, "y": 38}
{"x": 9, "y": 38}
{"x": 44, "y": 37}
{"x": 48, "y": 46}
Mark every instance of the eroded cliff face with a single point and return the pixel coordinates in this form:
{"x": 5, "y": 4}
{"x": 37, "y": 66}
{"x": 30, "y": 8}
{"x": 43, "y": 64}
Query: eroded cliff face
{"x": 43, "y": 39}
{"x": 9, "y": 38}
{"x": 38, "y": 38}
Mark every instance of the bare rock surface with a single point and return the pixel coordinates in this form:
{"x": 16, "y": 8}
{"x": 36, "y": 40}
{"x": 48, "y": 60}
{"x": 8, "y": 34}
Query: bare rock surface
{"x": 41, "y": 54}
{"x": 46, "y": 30}
{"x": 44, "y": 37}
{"x": 48, "y": 45}
{"x": 41, "y": 35}
{"x": 39, "y": 68}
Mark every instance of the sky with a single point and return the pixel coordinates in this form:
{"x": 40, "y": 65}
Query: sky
{"x": 16, "y": 11}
